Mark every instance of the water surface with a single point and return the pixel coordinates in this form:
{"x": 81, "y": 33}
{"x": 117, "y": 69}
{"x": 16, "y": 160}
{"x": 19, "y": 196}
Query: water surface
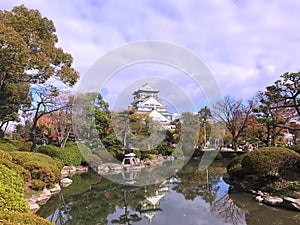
{"x": 191, "y": 197}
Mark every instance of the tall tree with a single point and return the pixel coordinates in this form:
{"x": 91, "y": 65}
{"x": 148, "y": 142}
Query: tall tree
{"x": 234, "y": 114}
{"x": 286, "y": 90}
{"x": 270, "y": 117}
{"x": 40, "y": 63}
{"x": 13, "y": 59}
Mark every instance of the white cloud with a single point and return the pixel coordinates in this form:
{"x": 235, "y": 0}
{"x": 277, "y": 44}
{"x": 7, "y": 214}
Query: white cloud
{"x": 247, "y": 44}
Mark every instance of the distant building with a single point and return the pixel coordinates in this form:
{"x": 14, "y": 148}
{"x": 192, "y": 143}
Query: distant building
{"x": 145, "y": 100}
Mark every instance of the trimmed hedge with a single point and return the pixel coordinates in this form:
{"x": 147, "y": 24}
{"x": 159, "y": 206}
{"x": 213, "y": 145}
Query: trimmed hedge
{"x": 40, "y": 166}
{"x": 49, "y": 150}
{"x": 265, "y": 160}
{"x": 17, "y": 168}
{"x": 69, "y": 155}
{"x": 7, "y": 146}
{"x": 295, "y": 148}
{"x": 13, "y": 218}
{"x": 43, "y": 171}
{"x": 268, "y": 161}
{"x": 11, "y": 179}
{"x": 11, "y": 191}
{"x": 5, "y": 155}
{"x": 37, "y": 185}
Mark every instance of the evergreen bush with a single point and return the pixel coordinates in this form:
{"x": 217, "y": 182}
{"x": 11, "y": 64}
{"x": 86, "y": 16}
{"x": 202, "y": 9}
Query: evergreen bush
{"x": 21, "y": 218}
{"x": 40, "y": 166}
{"x": 7, "y": 146}
{"x": 11, "y": 191}
{"x": 5, "y": 155}
{"x": 265, "y": 160}
{"x": 265, "y": 163}
{"x": 37, "y": 185}
{"x": 69, "y": 155}
{"x": 17, "y": 168}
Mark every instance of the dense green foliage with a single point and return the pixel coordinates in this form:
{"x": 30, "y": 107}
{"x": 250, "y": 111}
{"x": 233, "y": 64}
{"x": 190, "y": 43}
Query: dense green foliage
{"x": 13, "y": 218}
{"x": 275, "y": 170}
{"x": 165, "y": 149}
{"x": 37, "y": 185}
{"x": 11, "y": 191}
{"x": 264, "y": 161}
{"x": 17, "y": 168}
{"x": 295, "y": 148}
{"x": 29, "y": 56}
{"x": 7, "y": 146}
{"x": 14, "y": 145}
{"x": 69, "y": 155}
{"x": 41, "y": 166}
{"x": 5, "y": 155}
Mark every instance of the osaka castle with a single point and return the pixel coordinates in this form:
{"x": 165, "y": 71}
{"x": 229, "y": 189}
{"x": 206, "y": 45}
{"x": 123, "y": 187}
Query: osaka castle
{"x": 145, "y": 100}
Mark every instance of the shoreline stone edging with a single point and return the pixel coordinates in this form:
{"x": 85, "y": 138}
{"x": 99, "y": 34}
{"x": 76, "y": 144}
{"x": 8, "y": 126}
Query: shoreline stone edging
{"x": 284, "y": 202}
{"x": 264, "y": 197}
{"x": 35, "y": 201}
{"x": 105, "y": 168}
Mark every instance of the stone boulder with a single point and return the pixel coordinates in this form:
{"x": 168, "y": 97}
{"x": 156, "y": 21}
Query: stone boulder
{"x": 274, "y": 201}
{"x": 82, "y": 169}
{"x": 33, "y": 206}
{"x": 65, "y": 182}
{"x": 68, "y": 171}
{"x": 291, "y": 203}
{"x": 56, "y": 189}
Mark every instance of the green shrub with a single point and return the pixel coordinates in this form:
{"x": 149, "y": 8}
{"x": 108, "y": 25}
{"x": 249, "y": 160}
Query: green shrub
{"x": 39, "y": 165}
{"x": 11, "y": 191}
{"x": 23, "y": 148}
{"x": 69, "y": 155}
{"x": 49, "y": 150}
{"x": 22, "y": 157}
{"x": 58, "y": 163}
{"x": 165, "y": 149}
{"x": 265, "y": 160}
{"x": 42, "y": 171}
{"x": 13, "y": 218}
{"x": 21, "y": 145}
{"x": 37, "y": 185}
{"x": 8, "y": 146}
{"x": 12, "y": 200}
{"x": 177, "y": 153}
{"x": 153, "y": 152}
{"x": 84, "y": 150}
{"x": 11, "y": 178}
{"x": 5, "y": 155}
{"x": 295, "y": 148}
{"x": 17, "y": 168}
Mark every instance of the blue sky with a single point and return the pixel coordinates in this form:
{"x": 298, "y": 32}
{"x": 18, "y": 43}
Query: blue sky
{"x": 247, "y": 44}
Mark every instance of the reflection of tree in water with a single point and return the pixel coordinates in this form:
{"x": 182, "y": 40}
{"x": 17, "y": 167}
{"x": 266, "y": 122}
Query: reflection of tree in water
{"x": 88, "y": 201}
{"x": 195, "y": 182}
{"x": 228, "y": 210}
{"x": 127, "y": 217}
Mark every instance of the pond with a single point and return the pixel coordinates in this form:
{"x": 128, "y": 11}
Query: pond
{"x": 190, "y": 197}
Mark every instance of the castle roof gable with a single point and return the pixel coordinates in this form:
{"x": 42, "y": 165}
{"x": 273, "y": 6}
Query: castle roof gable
{"x": 151, "y": 102}
{"x": 146, "y": 88}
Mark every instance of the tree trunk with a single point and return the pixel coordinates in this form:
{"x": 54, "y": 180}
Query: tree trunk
{"x": 33, "y": 138}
